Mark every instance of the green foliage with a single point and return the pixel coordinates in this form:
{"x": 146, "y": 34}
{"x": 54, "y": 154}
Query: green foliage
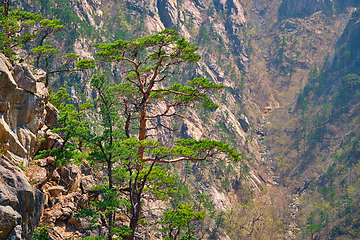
{"x": 181, "y": 218}
{"x": 345, "y": 54}
{"x": 203, "y": 35}
{"x": 107, "y": 129}
{"x": 347, "y": 91}
{"x": 20, "y": 28}
{"x": 71, "y": 127}
{"x": 41, "y": 233}
{"x": 59, "y": 98}
{"x": 109, "y": 203}
{"x": 313, "y": 228}
{"x": 108, "y": 144}
{"x": 47, "y": 54}
{"x": 202, "y": 148}
{"x": 15, "y": 28}
{"x": 45, "y": 50}
{"x": 118, "y": 50}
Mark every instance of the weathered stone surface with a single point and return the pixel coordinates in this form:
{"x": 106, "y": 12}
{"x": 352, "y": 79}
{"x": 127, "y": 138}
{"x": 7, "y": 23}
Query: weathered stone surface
{"x": 66, "y": 213}
{"x": 63, "y": 207}
{"x": 7, "y": 135}
{"x": 39, "y": 75}
{"x": 87, "y": 182}
{"x": 24, "y": 78}
{"x": 6, "y": 80}
{"x": 9, "y": 218}
{"x": 56, "y": 176}
{"x": 52, "y": 115}
{"x": 303, "y": 7}
{"x": 81, "y": 224}
{"x": 34, "y": 117}
{"x": 168, "y": 12}
{"x": 56, "y": 190}
{"x": 83, "y": 202}
{"x": 27, "y": 139}
{"x": 22, "y": 124}
{"x": 42, "y": 162}
{"x": 17, "y": 233}
{"x": 19, "y": 195}
{"x": 42, "y": 91}
{"x": 21, "y": 111}
{"x": 52, "y": 140}
{"x": 36, "y": 173}
{"x": 234, "y": 20}
{"x": 348, "y": 43}
{"x": 71, "y": 175}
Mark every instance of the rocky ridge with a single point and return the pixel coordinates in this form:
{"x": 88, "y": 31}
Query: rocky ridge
{"x": 25, "y": 128}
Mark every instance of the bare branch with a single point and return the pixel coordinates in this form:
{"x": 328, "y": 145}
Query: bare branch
{"x": 161, "y": 125}
{"x": 173, "y": 160}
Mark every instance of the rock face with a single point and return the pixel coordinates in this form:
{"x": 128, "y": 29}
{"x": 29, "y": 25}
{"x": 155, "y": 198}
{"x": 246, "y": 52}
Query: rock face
{"x": 22, "y": 115}
{"x": 235, "y": 19}
{"x": 9, "y": 219}
{"x": 21, "y": 205}
{"x": 168, "y": 12}
{"x": 304, "y": 7}
{"x": 346, "y": 57}
{"x": 190, "y": 16}
{"x": 22, "y": 110}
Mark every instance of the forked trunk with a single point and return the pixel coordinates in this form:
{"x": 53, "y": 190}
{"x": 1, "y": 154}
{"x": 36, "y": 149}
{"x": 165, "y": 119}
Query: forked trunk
{"x": 135, "y": 218}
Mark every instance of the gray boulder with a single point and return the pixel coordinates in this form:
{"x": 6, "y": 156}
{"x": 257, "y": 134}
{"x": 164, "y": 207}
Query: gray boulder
{"x": 21, "y": 203}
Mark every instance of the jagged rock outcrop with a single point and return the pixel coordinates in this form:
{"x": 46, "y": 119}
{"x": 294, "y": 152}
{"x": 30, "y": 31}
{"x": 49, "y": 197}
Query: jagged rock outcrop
{"x": 304, "y": 7}
{"x": 89, "y": 10}
{"x": 22, "y": 110}
{"x": 22, "y": 115}
{"x": 9, "y": 219}
{"x": 233, "y": 10}
{"x": 347, "y": 53}
{"x": 67, "y": 191}
{"x": 168, "y": 13}
{"x": 235, "y": 19}
{"x": 21, "y": 205}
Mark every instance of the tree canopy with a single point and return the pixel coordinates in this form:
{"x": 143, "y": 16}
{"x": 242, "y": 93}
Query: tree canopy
{"x": 120, "y": 136}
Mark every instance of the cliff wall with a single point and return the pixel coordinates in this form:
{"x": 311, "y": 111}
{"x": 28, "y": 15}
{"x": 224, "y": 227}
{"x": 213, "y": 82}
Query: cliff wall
{"x": 22, "y": 124}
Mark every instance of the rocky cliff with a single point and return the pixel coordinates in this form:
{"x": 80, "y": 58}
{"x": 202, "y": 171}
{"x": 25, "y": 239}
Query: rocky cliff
{"x": 304, "y": 7}
{"x": 22, "y": 122}
{"x": 346, "y": 56}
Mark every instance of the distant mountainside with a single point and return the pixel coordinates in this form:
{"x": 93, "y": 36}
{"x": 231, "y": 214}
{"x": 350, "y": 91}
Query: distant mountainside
{"x": 321, "y": 154}
{"x": 300, "y": 8}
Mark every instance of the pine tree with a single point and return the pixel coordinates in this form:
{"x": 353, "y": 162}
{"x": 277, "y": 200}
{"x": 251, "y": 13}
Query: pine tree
{"x": 131, "y": 156}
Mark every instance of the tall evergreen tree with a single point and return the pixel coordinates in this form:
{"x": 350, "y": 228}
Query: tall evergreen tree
{"x": 131, "y": 156}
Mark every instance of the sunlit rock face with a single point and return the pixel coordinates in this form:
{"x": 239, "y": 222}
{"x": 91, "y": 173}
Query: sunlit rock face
{"x": 22, "y": 116}
{"x": 22, "y": 110}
